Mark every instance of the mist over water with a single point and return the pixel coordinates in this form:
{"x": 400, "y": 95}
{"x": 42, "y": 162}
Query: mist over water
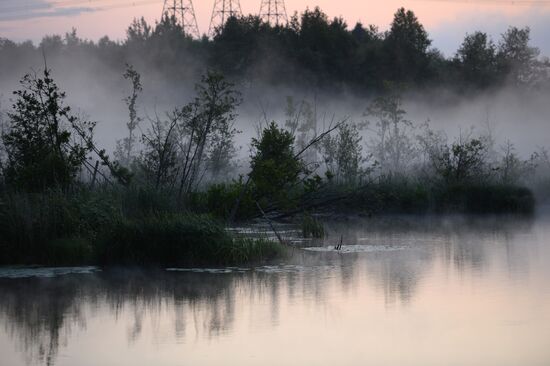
{"x": 454, "y": 290}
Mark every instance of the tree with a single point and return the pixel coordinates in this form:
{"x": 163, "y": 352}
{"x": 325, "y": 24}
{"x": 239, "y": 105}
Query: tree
{"x": 477, "y": 60}
{"x": 138, "y": 32}
{"x": 125, "y": 147}
{"x": 392, "y": 145}
{"x": 222, "y": 150}
{"x": 206, "y": 129}
{"x": 511, "y": 168}
{"x": 406, "y": 46}
{"x": 343, "y": 155}
{"x": 46, "y": 145}
{"x": 301, "y": 121}
{"x": 193, "y": 140}
{"x": 517, "y": 59}
{"x": 464, "y": 161}
{"x": 274, "y": 166}
{"x": 159, "y": 158}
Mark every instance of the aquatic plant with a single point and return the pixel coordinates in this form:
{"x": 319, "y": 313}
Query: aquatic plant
{"x": 311, "y": 227}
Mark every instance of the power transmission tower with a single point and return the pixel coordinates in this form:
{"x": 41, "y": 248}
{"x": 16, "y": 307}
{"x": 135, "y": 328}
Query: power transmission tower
{"x": 273, "y": 12}
{"x": 223, "y": 10}
{"x": 184, "y": 13}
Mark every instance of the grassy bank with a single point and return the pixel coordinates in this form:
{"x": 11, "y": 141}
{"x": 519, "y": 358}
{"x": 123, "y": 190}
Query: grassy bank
{"x": 138, "y": 226}
{"x": 398, "y": 196}
{"x": 117, "y": 227}
{"x": 411, "y": 197}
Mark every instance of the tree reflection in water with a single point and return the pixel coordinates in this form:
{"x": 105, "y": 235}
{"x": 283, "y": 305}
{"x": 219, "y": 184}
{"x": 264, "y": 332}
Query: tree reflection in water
{"x": 41, "y": 314}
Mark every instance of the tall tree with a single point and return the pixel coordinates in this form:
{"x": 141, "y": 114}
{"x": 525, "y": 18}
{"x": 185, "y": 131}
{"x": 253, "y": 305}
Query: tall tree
{"x": 477, "y": 60}
{"x": 518, "y": 60}
{"x": 46, "y": 144}
{"x": 406, "y": 46}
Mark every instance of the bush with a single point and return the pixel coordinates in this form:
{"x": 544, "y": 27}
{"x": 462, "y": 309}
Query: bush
{"x": 219, "y": 200}
{"x": 486, "y": 199}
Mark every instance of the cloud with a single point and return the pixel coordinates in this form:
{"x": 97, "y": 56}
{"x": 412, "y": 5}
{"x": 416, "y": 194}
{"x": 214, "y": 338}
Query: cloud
{"x": 11, "y": 10}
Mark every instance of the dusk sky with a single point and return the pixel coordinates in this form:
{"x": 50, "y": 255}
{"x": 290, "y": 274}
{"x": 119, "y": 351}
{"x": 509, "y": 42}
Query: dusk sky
{"x": 447, "y": 21}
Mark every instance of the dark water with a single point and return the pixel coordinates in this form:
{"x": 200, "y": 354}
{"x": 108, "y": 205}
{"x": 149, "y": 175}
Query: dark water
{"x": 405, "y": 291}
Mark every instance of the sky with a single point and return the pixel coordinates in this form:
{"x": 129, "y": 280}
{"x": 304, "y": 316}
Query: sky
{"x": 447, "y": 21}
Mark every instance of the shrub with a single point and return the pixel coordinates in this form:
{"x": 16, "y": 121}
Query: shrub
{"x": 221, "y": 199}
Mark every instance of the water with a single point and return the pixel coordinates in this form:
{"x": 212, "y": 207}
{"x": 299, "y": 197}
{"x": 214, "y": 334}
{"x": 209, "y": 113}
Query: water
{"x": 405, "y": 291}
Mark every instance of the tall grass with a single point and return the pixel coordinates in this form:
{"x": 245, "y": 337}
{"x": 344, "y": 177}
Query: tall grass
{"x": 312, "y": 228}
{"x": 133, "y": 226}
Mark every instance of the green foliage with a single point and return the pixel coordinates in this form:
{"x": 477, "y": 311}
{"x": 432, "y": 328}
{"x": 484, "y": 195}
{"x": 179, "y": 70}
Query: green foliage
{"x": 311, "y": 227}
{"x": 517, "y": 60}
{"x": 343, "y": 155}
{"x": 192, "y": 140}
{"x": 125, "y": 147}
{"x": 274, "y": 167}
{"x": 462, "y": 162}
{"x": 159, "y": 157}
{"x": 246, "y": 250}
{"x": 406, "y": 45}
{"x": 133, "y": 226}
{"x": 35, "y": 228}
{"x": 401, "y": 195}
{"x": 162, "y": 239}
{"x": 43, "y": 140}
{"x": 179, "y": 239}
{"x": 313, "y": 50}
{"x": 221, "y": 198}
{"x": 477, "y": 60}
{"x": 392, "y": 145}
{"x": 486, "y": 199}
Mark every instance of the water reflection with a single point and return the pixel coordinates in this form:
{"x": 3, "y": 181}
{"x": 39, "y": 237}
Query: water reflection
{"x": 44, "y": 318}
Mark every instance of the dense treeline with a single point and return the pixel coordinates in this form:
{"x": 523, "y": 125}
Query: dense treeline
{"x": 310, "y": 50}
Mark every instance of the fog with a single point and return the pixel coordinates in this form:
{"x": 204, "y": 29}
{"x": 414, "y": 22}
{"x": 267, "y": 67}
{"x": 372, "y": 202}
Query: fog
{"x": 95, "y": 90}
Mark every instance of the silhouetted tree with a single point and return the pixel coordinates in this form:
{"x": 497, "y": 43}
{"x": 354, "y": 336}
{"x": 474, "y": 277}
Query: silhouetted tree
{"x": 274, "y": 166}
{"x": 518, "y": 60}
{"x": 477, "y": 60}
{"x": 125, "y": 147}
{"x": 46, "y": 144}
{"x": 406, "y": 47}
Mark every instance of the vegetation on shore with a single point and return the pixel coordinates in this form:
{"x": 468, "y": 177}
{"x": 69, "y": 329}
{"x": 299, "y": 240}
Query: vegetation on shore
{"x": 117, "y": 227}
{"x": 171, "y": 187}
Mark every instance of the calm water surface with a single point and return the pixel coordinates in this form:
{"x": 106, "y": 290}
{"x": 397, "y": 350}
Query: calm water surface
{"x": 404, "y": 291}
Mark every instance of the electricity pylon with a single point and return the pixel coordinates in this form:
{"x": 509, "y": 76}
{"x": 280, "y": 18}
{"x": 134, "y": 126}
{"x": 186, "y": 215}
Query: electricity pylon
{"x": 273, "y": 12}
{"x": 184, "y": 13}
{"x": 223, "y": 10}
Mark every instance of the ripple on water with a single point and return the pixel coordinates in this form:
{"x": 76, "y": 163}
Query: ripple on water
{"x": 26, "y": 272}
{"x": 279, "y": 268}
{"x": 358, "y": 248}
